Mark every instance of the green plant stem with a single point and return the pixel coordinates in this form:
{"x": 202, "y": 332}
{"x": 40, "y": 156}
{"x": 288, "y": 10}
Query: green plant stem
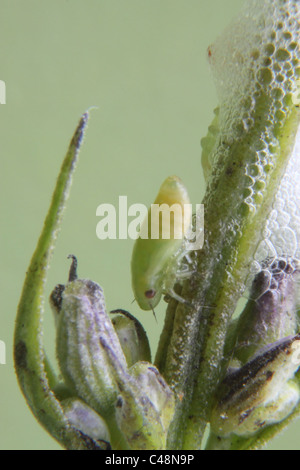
{"x": 194, "y": 363}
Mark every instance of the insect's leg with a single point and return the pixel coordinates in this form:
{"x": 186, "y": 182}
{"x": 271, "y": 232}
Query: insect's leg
{"x": 184, "y": 271}
{"x": 180, "y": 299}
{"x": 177, "y": 297}
{"x": 188, "y": 258}
{"x": 185, "y": 274}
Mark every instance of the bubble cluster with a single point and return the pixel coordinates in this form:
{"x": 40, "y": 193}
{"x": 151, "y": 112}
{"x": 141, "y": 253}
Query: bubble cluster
{"x": 273, "y": 273}
{"x": 256, "y": 68}
{"x": 255, "y": 64}
{"x": 281, "y": 233}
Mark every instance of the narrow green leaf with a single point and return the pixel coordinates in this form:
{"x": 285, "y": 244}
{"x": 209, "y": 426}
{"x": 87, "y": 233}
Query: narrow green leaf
{"x": 30, "y": 362}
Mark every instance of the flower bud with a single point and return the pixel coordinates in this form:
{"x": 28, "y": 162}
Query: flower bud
{"x": 260, "y": 393}
{"x": 136, "y": 402}
{"x": 271, "y": 312}
{"x": 156, "y": 388}
{"x": 132, "y": 337}
{"x": 264, "y": 344}
{"x": 145, "y": 404}
{"x": 90, "y": 427}
{"x": 81, "y": 319}
{"x": 145, "y": 408}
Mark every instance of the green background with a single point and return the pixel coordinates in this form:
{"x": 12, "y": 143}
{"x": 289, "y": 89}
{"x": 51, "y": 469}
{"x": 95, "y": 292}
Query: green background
{"x": 143, "y": 64}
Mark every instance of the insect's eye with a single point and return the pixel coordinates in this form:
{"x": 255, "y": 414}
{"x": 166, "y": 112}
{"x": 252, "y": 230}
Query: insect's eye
{"x": 150, "y": 293}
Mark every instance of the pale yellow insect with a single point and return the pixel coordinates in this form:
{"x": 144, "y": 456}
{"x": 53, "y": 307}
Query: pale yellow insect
{"x": 155, "y": 260}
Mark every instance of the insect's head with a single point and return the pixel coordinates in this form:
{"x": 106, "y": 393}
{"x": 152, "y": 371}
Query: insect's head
{"x": 148, "y": 295}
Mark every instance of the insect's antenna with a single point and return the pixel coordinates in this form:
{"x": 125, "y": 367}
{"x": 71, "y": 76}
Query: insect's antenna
{"x": 153, "y": 313}
{"x": 133, "y": 301}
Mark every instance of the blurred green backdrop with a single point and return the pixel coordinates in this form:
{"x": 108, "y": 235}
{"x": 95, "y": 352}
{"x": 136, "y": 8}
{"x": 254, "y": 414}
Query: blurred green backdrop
{"x": 143, "y": 64}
